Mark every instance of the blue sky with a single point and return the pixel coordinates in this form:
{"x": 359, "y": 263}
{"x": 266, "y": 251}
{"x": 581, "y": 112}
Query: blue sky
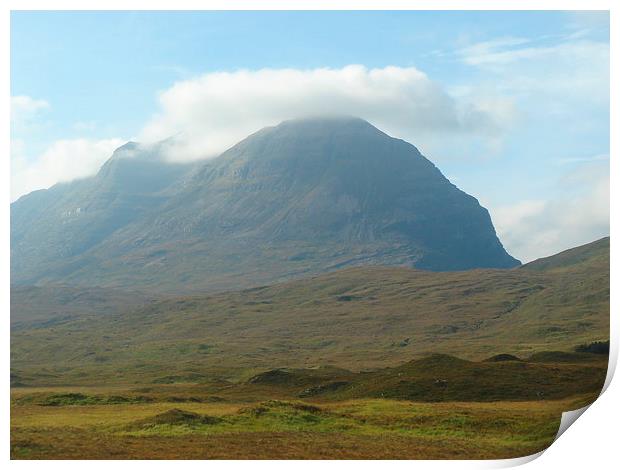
{"x": 512, "y": 106}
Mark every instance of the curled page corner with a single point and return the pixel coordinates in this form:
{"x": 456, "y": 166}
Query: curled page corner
{"x": 517, "y": 461}
{"x": 568, "y": 418}
{"x": 611, "y": 365}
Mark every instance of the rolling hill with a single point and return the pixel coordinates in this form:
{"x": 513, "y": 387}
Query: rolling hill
{"x": 440, "y": 377}
{"x": 357, "y": 318}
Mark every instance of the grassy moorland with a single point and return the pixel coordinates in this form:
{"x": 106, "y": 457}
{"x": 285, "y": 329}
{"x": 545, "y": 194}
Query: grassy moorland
{"x": 436, "y": 407}
{"x": 358, "y": 319}
{"x": 365, "y": 428}
{"x": 196, "y": 421}
{"x": 361, "y": 363}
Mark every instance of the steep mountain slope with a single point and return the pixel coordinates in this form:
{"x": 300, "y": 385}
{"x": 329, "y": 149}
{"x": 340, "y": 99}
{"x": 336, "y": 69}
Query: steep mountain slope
{"x": 304, "y": 197}
{"x": 356, "y": 318}
{"x": 53, "y": 231}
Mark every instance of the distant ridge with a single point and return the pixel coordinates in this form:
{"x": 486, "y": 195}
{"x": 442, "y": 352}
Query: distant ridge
{"x": 595, "y": 251}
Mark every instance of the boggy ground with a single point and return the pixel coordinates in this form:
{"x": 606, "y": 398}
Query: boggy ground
{"x": 434, "y": 408}
{"x": 356, "y": 429}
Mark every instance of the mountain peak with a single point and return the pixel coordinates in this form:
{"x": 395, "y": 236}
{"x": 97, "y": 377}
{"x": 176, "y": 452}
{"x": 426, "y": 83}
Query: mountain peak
{"x": 326, "y": 126}
{"x": 332, "y": 120}
{"x": 312, "y": 144}
{"x": 126, "y": 150}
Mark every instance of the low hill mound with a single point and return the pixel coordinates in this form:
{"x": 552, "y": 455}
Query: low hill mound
{"x": 502, "y": 358}
{"x": 446, "y": 378}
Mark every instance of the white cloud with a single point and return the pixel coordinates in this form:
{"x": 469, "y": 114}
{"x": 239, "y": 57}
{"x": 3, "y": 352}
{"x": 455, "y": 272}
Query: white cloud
{"x": 209, "y": 113}
{"x": 212, "y": 112}
{"x": 63, "y": 160}
{"x": 578, "y": 214}
{"x": 559, "y": 83}
{"x": 569, "y": 68}
{"x": 500, "y": 50}
{"x": 24, "y": 109}
{"x": 591, "y": 158}
{"x": 562, "y": 80}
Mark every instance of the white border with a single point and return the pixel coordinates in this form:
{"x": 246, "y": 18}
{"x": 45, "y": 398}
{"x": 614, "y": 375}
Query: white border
{"x": 592, "y": 443}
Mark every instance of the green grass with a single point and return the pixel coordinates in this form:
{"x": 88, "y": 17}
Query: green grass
{"x": 367, "y": 428}
{"x": 367, "y": 418}
{"x": 485, "y": 409}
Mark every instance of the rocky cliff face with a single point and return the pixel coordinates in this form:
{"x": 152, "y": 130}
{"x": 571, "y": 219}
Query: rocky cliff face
{"x": 300, "y": 198}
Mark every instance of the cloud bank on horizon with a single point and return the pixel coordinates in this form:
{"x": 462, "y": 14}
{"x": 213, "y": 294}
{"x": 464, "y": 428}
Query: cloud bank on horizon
{"x": 522, "y": 90}
{"x": 577, "y": 215}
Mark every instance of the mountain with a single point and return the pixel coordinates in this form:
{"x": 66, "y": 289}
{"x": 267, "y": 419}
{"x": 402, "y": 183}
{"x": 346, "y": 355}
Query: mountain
{"x": 304, "y": 197}
{"x": 355, "y": 318}
{"x": 54, "y": 231}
